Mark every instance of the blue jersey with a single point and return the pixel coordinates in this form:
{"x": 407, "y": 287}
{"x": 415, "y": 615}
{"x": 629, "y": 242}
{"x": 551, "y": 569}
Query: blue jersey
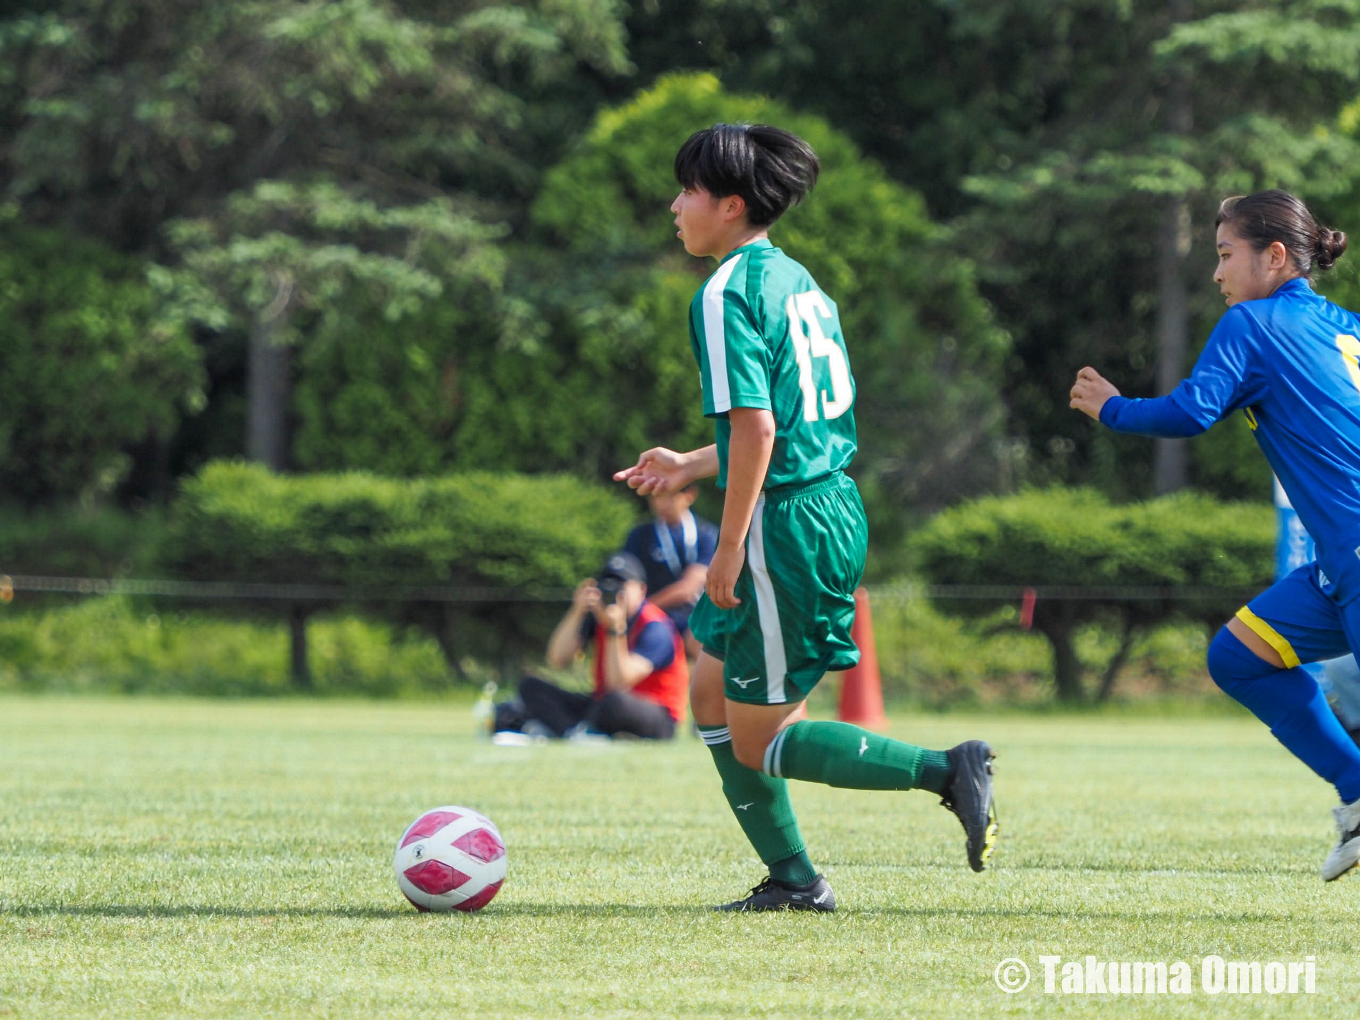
{"x": 1291, "y": 363}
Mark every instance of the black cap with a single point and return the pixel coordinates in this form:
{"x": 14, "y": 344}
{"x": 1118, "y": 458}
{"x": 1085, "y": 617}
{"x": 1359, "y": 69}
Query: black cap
{"x": 623, "y": 567}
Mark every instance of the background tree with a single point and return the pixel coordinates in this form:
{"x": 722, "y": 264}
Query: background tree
{"x": 88, "y": 364}
{"x": 303, "y": 151}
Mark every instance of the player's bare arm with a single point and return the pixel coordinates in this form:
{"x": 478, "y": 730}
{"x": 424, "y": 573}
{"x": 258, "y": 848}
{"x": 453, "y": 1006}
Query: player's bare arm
{"x": 663, "y": 470}
{"x": 1090, "y": 392}
{"x": 748, "y": 459}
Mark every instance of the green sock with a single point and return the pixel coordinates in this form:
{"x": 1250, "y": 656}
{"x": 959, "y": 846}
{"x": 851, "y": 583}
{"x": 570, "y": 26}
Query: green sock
{"x": 761, "y": 806}
{"x": 839, "y": 754}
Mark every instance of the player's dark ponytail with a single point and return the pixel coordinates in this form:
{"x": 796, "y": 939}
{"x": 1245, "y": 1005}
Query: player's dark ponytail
{"x": 1331, "y": 246}
{"x": 1265, "y": 217}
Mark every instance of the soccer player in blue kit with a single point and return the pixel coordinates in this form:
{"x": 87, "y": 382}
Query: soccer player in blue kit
{"x": 1290, "y": 361}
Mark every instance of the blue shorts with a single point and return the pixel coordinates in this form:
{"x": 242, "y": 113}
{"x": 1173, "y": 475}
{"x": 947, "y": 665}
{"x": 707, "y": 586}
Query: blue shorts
{"x": 1299, "y": 617}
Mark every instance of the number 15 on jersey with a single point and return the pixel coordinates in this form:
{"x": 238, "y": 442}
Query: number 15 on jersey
{"x": 806, "y": 312}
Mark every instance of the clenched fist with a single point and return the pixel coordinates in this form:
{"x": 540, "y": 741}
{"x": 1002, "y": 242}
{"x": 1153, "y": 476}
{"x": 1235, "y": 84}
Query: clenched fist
{"x": 1090, "y": 392}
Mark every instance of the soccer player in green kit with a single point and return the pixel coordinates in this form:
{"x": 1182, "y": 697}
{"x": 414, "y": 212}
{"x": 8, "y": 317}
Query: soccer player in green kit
{"x": 779, "y": 599}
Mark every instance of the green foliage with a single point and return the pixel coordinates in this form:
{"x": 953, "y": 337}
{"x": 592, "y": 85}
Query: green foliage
{"x": 938, "y": 661}
{"x": 926, "y": 353}
{"x": 302, "y": 170}
{"x": 114, "y": 645}
{"x": 236, "y": 521}
{"x": 500, "y": 537}
{"x": 132, "y": 112}
{"x": 1158, "y": 113}
{"x": 1076, "y": 538}
{"x": 75, "y": 540}
{"x": 89, "y": 366}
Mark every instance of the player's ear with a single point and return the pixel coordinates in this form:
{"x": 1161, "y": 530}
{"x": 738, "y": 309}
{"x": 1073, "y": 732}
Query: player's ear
{"x": 733, "y": 206}
{"x": 1279, "y": 255}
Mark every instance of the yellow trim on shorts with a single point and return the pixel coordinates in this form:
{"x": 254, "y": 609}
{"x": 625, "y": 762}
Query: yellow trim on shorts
{"x": 1270, "y": 636}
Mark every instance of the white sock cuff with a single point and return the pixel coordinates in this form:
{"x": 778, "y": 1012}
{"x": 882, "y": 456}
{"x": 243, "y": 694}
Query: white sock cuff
{"x": 715, "y": 737}
{"x": 774, "y": 755}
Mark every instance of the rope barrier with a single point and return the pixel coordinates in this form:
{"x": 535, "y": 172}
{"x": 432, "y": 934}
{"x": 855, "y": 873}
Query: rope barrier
{"x": 884, "y": 594}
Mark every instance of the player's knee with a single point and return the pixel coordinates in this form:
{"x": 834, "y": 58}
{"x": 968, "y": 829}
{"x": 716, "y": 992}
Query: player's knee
{"x": 707, "y": 702}
{"x": 1232, "y": 664}
{"x": 750, "y": 753}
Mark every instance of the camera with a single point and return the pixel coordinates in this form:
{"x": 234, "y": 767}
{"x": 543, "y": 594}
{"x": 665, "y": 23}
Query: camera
{"x": 609, "y": 590}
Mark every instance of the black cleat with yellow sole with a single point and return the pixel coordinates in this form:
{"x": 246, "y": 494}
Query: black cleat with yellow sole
{"x": 969, "y": 795}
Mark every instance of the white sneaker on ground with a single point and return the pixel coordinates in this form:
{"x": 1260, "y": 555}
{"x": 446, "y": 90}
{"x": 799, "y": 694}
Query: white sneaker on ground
{"x": 1346, "y": 854}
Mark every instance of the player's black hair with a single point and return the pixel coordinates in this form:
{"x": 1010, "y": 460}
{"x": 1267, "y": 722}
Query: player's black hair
{"x": 1265, "y": 217}
{"x": 771, "y": 169}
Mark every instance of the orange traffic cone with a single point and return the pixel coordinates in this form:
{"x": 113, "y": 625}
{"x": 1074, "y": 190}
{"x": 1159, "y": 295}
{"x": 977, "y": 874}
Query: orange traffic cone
{"x": 861, "y": 687}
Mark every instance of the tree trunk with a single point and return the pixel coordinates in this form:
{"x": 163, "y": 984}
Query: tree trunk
{"x": 1115, "y": 664}
{"x": 1170, "y": 468}
{"x": 297, "y": 630}
{"x": 268, "y": 386}
{"x": 441, "y": 625}
{"x": 1066, "y": 665}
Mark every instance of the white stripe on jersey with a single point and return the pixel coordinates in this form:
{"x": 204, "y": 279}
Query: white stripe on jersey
{"x": 715, "y": 338}
{"x": 767, "y": 610}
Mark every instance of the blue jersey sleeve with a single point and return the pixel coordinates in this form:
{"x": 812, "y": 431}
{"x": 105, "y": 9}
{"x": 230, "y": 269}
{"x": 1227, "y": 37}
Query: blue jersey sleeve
{"x": 1227, "y": 375}
{"x": 1160, "y": 416}
{"x": 655, "y": 645}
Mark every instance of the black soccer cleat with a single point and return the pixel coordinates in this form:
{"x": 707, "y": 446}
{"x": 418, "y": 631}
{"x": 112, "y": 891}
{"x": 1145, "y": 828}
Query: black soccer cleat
{"x": 773, "y": 895}
{"x": 969, "y": 796}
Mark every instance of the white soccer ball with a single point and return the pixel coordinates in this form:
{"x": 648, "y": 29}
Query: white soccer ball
{"x": 450, "y": 858}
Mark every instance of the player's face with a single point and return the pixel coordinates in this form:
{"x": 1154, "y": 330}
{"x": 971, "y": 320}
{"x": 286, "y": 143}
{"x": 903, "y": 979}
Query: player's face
{"x": 1242, "y": 274}
{"x": 700, "y": 221}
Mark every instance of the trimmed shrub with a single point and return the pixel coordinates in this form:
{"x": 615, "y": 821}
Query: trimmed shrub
{"x": 509, "y": 540}
{"x": 1076, "y": 538}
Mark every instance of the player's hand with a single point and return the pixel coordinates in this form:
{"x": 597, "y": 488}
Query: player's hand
{"x": 1090, "y": 392}
{"x": 721, "y": 582}
{"x": 657, "y": 470}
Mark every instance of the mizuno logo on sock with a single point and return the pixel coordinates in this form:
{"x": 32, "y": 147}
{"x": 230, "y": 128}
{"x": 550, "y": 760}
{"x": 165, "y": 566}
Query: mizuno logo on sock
{"x": 819, "y": 899}
{"x": 742, "y": 683}
{"x": 743, "y": 807}
{"x": 863, "y": 745}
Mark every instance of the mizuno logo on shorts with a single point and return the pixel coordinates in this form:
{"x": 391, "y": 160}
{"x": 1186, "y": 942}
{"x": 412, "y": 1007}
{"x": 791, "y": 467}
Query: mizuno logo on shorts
{"x": 742, "y": 683}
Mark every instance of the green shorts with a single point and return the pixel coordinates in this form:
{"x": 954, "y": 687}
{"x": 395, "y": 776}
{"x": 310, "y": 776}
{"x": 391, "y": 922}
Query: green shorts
{"x": 804, "y": 559}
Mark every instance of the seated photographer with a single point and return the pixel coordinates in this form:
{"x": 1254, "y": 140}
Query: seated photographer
{"x": 641, "y": 675}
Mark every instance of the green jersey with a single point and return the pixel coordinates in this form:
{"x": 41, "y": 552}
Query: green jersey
{"x": 765, "y": 336}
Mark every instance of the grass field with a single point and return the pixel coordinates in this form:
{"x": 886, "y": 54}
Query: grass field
{"x": 233, "y": 859}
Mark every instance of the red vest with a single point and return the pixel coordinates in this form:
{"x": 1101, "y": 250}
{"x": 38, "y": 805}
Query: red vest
{"x": 667, "y": 686}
